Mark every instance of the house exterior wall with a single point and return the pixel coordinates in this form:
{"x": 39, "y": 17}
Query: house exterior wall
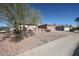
{"x": 34, "y": 28}
{"x": 46, "y": 26}
{"x": 67, "y": 28}
{"x": 60, "y": 28}
{"x": 42, "y": 27}
{"x": 30, "y": 27}
{"x": 51, "y": 27}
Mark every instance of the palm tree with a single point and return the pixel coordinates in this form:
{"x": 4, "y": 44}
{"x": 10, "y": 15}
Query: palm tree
{"x": 17, "y": 15}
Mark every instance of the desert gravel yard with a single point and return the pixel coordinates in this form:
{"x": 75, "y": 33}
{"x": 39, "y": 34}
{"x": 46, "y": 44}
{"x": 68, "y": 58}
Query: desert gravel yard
{"x": 9, "y": 48}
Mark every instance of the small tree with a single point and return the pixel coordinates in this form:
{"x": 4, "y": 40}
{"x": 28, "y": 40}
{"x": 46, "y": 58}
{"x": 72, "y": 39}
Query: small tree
{"x": 77, "y": 20}
{"x": 18, "y": 14}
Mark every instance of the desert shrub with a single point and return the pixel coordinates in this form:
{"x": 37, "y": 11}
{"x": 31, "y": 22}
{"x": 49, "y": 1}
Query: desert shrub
{"x": 18, "y": 35}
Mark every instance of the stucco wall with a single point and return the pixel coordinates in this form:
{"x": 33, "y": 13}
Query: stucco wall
{"x": 52, "y": 28}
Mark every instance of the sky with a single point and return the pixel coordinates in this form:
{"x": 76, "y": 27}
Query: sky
{"x": 58, "y": 13}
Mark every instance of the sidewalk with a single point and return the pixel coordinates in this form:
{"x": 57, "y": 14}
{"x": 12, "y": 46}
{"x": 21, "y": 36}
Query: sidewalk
{"x": 60, "y": 47}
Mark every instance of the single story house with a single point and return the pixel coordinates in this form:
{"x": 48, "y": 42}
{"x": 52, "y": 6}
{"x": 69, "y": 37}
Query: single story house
{"x": 64, "y": 28}
{"x": 30, "y": 27}
{"x": 46, "y": 27}
{"x": 68, "y": 28}
{"x": 59, "y": 27}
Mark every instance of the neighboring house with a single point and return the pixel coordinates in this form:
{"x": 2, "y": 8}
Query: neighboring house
{"x": 64, "y": 28}
{"x": 46, "y": 27}
{"x": 67, "y": 28}
{"x": 59, "y": 27}
{"x": 42, "y": 27}
{"x": 51, "y": 27}
{"x": 30, "y": 27}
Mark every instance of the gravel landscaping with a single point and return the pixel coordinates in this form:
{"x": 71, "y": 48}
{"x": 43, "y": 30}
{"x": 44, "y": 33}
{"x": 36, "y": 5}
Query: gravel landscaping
{"x": 9, "y": 48}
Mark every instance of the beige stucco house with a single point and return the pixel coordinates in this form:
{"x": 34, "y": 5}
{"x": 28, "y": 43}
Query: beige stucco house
{"x": 46, "y": 26}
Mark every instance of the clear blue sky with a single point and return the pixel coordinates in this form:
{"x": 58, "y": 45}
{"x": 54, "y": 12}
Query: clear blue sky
{"x": 58, "y": 13}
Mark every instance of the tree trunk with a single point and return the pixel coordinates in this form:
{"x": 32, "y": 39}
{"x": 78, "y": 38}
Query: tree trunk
{"x": 18, "y": 32}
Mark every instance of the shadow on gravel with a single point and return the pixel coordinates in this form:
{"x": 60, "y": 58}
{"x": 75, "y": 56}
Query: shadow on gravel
{"x": 3, "y": 38}
{"x": 76, "y": 51}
